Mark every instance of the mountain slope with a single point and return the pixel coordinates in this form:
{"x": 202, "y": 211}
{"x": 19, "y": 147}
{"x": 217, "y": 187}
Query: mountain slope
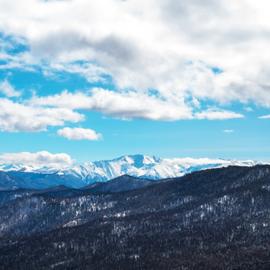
{"x": 213, "y": 219}
{"x": 120, "y": 184}
{"x": 34, "y": 180}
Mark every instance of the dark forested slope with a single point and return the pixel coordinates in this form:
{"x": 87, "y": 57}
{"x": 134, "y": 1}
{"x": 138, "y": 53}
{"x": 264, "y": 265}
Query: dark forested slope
{"x": 213, "y": 219}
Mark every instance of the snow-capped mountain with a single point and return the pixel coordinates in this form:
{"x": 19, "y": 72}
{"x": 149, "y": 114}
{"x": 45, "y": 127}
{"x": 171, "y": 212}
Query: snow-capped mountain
{"x": 146, "y": 167}
{"x": 135, "y": 165}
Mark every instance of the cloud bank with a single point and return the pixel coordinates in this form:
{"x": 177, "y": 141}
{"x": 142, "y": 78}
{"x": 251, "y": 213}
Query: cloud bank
{"x": 38, "y": 159}
{"x": 130, "y": 105}
{"x": 16, "y": 117}
{"x": 166, "y": 59}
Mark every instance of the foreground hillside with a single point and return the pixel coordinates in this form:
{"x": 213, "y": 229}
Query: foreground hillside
{"x": 213, "y": 219}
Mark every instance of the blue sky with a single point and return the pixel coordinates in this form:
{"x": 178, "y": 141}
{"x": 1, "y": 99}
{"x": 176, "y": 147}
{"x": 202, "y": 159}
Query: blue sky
{"x": 99, "y": 96}
{"x": 195, "y": 138}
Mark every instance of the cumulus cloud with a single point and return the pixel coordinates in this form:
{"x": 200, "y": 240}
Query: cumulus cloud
{"x": 79, "y": 134}
{"x": 38, "y": 159}
{"x": 131, "y": 104}
{"x": 127, "y": 105}
{"x": 19, "y": 117}
{"x": 8, "y": 90}
{"x": 174, "y": 47}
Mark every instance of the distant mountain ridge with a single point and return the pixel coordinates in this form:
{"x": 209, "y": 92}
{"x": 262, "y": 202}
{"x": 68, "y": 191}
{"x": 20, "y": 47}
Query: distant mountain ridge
{"x": 78, "y": 175}
{"x": 120, "y": 184}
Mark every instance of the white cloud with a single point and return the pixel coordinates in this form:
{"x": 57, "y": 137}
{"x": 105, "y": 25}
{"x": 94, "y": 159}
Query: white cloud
{"x": 65, "y": 99}
{"x": 248, "y": 109}
{"x": 228, "y": 131}
{"x": 265, "y": 116}
{"x": 170, "y": 46}
{"x": 8, "y": 90}
{"x": 90, "y": 71}
{"x": 130, "y": 105}
{"x": 214, "y": 114}
{"x": 126, "y": 105}
{"x": 19, "y": 117}
{"x": 38, "y": 159}
{"x": 79, "y": 134}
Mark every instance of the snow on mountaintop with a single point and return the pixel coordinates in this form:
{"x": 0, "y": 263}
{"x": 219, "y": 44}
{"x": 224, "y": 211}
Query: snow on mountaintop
{"x": 135, "y": 165}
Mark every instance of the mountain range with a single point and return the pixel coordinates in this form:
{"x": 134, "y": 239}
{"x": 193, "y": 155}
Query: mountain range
{"x": 18, "y": 175}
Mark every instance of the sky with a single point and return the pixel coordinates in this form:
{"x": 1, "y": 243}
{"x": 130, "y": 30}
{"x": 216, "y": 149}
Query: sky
{"x": 87, "y": 80}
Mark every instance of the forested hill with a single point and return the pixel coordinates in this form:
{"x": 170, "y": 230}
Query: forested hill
{"x": 212, "y": 219}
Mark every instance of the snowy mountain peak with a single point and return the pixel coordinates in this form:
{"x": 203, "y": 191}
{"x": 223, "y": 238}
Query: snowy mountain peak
{"x": 138, "y": 160}
{"x": 135, "y": 165}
